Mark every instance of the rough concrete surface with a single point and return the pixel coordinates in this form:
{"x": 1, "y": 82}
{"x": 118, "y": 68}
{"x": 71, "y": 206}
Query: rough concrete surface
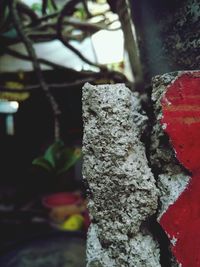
{"x": 180, "y": 120}
{"x": 122, "y": 189}
{"x": 172, "y": 178}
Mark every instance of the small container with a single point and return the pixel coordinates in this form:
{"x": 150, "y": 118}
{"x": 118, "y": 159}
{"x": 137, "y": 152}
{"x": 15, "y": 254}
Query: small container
{"x": 63, "y": 204}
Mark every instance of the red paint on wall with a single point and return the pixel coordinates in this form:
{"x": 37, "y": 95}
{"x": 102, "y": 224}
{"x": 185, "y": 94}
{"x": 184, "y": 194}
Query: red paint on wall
{"x": 181, "y": 120}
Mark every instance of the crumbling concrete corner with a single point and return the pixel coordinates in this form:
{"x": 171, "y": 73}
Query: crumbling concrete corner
{"x": 122, "y": 189}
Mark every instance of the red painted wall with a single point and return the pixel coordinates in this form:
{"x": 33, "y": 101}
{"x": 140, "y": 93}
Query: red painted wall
{"x": 181, "y": 120}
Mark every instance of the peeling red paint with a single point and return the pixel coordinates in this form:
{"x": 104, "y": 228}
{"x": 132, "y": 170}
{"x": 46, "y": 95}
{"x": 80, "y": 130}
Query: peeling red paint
{"x": 181, "y": 118}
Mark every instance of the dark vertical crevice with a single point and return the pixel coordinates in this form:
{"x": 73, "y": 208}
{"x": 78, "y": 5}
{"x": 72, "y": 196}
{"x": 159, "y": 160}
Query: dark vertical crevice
{"x": 152, "y": 225}
{"x": 159, "y": 234}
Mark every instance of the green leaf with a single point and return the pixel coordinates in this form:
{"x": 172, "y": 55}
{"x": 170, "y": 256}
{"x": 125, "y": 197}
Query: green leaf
{"x": 69, "y": 157}
{"x": 53, "y": 153}
{"x": 57, "y": 158}
{"x": 42, "y": 162}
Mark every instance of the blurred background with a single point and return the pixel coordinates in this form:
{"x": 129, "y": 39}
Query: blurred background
{"x": 48, "y": 50}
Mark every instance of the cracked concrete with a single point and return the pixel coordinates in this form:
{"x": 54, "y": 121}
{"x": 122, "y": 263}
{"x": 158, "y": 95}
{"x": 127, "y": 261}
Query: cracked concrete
{"x": 172, "y": 178}
{"x": 123, "y": 194}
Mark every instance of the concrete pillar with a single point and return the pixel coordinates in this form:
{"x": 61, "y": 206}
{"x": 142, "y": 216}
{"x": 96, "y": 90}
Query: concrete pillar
{"x": 175, "y": 156}
{"x": 121, "y": 186}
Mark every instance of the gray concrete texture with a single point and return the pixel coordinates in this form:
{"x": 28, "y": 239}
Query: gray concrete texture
{"x": 123, "y": 194}
{"x": 172, "y": 178}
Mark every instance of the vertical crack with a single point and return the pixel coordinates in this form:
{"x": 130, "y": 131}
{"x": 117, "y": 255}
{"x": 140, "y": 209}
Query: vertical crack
{"x": 152, "y": 225}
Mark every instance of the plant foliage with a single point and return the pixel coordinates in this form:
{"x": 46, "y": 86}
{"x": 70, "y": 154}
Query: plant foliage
{"x": 58, "y": 158}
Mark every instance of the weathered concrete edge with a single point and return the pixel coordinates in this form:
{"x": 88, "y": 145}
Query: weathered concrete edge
{"x": 97, "y": 227}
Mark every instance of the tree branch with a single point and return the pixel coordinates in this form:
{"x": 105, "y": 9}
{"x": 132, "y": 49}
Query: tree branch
{"x": 36, "y": 66}
{"x": 123, "y": 11}
{"x": 107, "y": 74}
{"x": 46, "y": 62}
{"x": 24, "y": 9}
{"x": 47, "y": 17}
{"x": 32, "y": 88}
{"x": 44, "y": 6}
{"x": 86, "y": 8}
{"x": 54, "y": 5}
{"x": 69, "y": 6}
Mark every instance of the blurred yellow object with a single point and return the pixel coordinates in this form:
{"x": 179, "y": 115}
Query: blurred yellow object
{"x": 14, "y": 96}
{"x": 73, "y": 223}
